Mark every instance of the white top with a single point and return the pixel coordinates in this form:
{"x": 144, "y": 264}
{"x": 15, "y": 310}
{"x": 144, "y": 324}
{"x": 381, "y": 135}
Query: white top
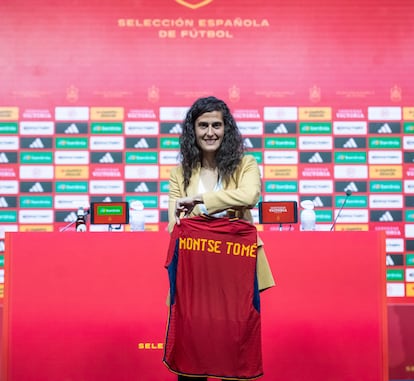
{"x": 201, "y": 190}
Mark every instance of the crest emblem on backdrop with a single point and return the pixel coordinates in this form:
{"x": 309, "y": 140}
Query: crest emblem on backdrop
{"x": 194, "y": 4}
{"x": 396, "y": 93}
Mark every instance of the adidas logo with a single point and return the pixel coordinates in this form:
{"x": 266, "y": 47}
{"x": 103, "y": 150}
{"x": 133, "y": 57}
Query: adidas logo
{"x": 352, "y": 187}
{"x": 107, "y": 158}
{"x": 316, "y": 158}
{"x": 386, "y": 217}
{"x": 389, "y": 261}
{"x": 280, "y": 129}
{"x": 107, "y": 199}
{"x": 350, "y": 144}
{"x": 3, "y": 158}
{"x": 385, "y": 129}
{"x": 36, "y": 188}
{"x": 3, "y": 203}
{"x": 248, "y": 143}
{"x": 318, "y": 202}
{"x": 37, "y": 143}
{"x": 71, "y": 217}
{"x": 176, "y": 129}
{"x": 141, "y": 188}
{"x": 142, "y": 143}
{"x": 72, "y": 129}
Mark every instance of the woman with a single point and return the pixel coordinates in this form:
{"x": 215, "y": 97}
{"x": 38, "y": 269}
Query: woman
{"x": 215, "y": 177}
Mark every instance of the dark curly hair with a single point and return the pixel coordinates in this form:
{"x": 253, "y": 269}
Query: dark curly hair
{"x": 231, "y": 150}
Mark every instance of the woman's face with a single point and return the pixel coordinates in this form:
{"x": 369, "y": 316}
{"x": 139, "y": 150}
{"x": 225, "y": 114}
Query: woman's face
{"x": 209, "y": 131}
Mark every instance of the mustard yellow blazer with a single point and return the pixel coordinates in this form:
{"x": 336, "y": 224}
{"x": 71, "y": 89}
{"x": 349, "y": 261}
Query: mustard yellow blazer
{"x": 240, "y": 195}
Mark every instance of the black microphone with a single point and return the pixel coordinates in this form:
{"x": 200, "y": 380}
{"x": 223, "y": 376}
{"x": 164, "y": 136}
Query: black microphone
{"x": 348, "y": 193}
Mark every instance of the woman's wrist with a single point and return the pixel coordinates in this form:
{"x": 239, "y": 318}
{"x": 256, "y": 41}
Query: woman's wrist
{"x": 198, "y": 199}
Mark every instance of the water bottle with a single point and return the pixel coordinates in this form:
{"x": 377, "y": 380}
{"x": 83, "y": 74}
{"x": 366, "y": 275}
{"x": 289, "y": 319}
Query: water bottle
{"x": 136, "y": 216}
{"x": 307, "y": 216}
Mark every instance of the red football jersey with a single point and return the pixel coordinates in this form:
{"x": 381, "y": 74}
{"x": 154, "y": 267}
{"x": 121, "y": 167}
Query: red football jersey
{"x": 214, "y": 326}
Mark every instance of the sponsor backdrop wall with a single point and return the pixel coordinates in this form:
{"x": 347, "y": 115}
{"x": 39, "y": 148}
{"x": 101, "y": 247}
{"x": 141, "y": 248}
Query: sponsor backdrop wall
{"x": 92, "y": 95}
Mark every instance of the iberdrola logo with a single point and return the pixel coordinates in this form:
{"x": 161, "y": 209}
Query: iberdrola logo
{"x": 194, "y": 4}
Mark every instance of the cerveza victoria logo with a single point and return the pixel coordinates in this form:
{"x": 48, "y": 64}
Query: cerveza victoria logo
{"x": 194, "y": 4}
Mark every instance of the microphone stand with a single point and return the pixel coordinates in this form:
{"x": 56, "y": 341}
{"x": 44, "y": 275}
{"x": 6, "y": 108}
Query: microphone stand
{"x": 67, "y": 226}
{"x": 348, "y": 193}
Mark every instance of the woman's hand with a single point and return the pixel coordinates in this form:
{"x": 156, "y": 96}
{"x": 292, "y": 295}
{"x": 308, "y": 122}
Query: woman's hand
{"x": 186, "y": 205}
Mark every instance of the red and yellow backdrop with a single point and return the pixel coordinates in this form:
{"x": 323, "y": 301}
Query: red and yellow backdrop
{"x": 92, "y": 95}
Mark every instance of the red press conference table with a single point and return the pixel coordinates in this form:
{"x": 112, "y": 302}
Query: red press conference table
{"x": 91, "y": 306}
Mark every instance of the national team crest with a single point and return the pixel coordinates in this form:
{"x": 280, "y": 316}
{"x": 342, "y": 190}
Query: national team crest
{"x": 396, "y": 93}
{"x": 315, "y": 93}
{"x": 194, "y": 4}
{"x": 72, "y": 93}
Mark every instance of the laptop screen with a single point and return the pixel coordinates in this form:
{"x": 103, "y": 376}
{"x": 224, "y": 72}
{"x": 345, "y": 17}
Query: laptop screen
{"x": 278, "y": 212}
{"x": 109, "y": 213}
